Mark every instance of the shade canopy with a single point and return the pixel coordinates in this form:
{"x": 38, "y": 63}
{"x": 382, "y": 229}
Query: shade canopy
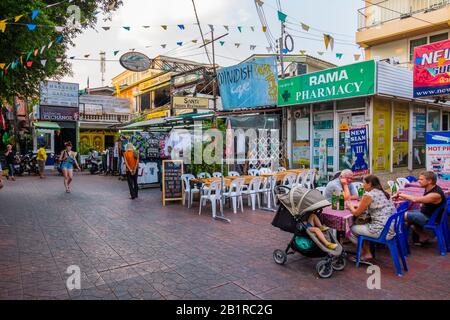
{"x": 47, "y": 125}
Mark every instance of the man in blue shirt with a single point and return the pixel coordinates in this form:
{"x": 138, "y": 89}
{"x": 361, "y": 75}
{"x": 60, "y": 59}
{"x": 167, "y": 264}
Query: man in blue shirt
{"x": 342, "y": 184}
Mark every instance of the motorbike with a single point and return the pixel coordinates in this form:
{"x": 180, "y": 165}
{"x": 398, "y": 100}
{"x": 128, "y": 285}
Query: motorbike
{"x": 29, "y": 163}
{"x": 19, "y": 167}
{"x": 94, "y": 163}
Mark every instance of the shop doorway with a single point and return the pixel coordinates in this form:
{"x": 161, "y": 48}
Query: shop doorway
{"x": 347, "y": 121}
{"x": 323, "y": 145}
{"x": 445, "y": 122}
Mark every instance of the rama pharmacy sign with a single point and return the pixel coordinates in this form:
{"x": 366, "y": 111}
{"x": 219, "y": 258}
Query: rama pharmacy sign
{"x": 349, "y": 81}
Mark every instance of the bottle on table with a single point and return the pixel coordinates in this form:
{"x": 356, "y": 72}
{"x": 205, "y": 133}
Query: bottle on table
{"x": 394, "y": 188}
{"x": 334, "y": 201}
{"x": 341, "y": 201}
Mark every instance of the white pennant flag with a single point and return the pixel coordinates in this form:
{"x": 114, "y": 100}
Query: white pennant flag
{"x": 59, "y": 29}
{"x": 59, "y": 60}
{"x": 42, "y": 49}
{"x": 50, "y": 45}
{"x": 44, "y": 62}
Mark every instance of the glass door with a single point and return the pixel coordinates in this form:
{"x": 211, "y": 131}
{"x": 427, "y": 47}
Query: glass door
{"x": 323, "y": 147}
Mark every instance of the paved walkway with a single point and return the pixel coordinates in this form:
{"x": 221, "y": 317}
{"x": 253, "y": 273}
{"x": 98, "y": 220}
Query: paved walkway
{"x": 139, "y": 250}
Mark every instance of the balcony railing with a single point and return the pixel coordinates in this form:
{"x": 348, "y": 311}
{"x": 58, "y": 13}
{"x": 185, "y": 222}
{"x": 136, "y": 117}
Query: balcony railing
{"x": 115, "y": 118}
{"x": 381, "y": 11}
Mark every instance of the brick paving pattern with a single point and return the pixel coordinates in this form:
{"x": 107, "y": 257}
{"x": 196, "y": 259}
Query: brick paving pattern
{"x": 139, "y": 250}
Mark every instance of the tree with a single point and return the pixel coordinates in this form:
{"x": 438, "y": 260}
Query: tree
{"x": 18, "y": 41}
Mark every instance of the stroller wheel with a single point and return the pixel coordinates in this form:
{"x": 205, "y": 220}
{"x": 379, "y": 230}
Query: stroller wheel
{"x": 338, "y": 263}
{"x": 324, "y": 268}
{"x": 279, "y": 256}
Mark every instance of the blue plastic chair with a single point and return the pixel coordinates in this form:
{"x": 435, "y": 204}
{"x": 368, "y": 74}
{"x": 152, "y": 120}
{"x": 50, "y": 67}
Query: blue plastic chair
{"x": 403, "y": 232}
{"x": 439, "y": 227}
{"x": 411, "y": 178}
{"x": 392, "y": 244}
{"x": 446, "y": 227}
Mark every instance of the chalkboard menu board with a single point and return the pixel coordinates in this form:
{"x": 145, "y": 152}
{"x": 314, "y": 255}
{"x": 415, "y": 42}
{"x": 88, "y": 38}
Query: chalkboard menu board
{"x": 172, "y": 186}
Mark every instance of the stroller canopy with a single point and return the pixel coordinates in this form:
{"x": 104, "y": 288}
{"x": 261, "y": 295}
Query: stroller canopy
{"x": 301, "y": 200}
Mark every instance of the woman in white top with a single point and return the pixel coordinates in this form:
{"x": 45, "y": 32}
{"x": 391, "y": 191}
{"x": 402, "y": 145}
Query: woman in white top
{"x": 379, "y": 207}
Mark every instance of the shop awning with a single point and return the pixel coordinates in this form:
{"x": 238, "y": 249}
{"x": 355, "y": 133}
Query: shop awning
{"x": 143, "y": 124}
{"x": 47, "y": 125}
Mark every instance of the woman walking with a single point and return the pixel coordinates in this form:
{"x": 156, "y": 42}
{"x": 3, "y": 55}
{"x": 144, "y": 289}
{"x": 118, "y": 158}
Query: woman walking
{"x": 68, "y": 160}
{"x": 132, "y": 164}
{"x": 9, "y": 155}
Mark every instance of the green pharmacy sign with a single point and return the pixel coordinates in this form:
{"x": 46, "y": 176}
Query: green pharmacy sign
{"x": 349, "y": 81}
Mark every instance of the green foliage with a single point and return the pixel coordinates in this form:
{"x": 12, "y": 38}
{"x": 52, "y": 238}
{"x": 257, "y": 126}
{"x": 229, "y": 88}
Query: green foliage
{"x": 17, "y": 41}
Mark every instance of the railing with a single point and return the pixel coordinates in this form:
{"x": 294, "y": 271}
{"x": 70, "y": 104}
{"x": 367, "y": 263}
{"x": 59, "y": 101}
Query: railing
{"x": 119, "y": 118}
{"x": 381, "y": 11}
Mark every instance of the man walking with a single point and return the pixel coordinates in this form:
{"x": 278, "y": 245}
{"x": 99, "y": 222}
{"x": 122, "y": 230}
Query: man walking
{"x": 131, "y": 159}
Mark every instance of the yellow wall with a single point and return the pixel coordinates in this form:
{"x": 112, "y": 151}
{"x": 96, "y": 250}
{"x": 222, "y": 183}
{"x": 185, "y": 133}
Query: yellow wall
{"x": 381, "y": 136}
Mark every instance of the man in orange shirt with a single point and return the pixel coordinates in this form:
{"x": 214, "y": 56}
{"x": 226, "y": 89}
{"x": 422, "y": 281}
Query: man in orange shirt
{"x": 132, "y": 164}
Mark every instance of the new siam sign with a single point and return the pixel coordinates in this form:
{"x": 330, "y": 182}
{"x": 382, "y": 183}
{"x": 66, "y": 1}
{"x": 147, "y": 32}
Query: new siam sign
{"x": 338, "y": 83}
{"x": 432, "y": 70}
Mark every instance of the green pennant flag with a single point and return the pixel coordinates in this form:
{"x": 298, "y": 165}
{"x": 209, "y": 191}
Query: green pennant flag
{"x": 116, "y": 52}
{"x": 339, "y": 55}
{"x": 282, "y": 16}
{"x": 29, "y": 55}
{"x": 127, "y": 28}
{"x": 240, "y": 29}
{"x": 222, "y": 43}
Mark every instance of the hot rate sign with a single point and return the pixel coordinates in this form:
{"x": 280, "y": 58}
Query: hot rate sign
{"x": 432, "y": 69}
{"x": 438, "y": 153}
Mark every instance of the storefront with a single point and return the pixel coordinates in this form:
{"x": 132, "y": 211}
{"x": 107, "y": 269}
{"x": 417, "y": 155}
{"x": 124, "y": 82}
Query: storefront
{"x": 155, "y": 92}
{"x": 357, "y": 117}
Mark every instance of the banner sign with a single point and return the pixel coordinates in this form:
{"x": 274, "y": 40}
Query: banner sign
{"x": 190, "y": 103}
{"x": 59, "y": 94}
{"x": 438, "y": 153}
{"x": 432, "y": 69}
{"x": 360, "y": 150}
{"x": 92, "y": 109}
{"x": 349, "y": 81}
{"x": 59, "y": 114}
{"x": 249, "y": 85}
{"x": 108, "y": 104}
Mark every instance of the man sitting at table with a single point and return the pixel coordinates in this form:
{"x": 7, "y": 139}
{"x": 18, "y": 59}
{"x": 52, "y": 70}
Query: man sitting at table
{"x": 431, "y": 200}
{"x": 342, "y": 183}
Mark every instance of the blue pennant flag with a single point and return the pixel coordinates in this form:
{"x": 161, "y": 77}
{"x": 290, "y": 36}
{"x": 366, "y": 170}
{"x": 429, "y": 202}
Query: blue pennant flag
{"x": 181, "y": 26}
{"x": 34, "y": 14}
{"x": 180, "y": 43}
{"x": 58, "y": 39}
{"x": 31, "y": 26}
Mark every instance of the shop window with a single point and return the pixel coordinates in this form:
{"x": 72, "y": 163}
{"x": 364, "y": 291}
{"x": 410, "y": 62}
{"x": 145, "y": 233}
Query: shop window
{"x": 445, "y": 120}
{"x": 301, "y": 146}
{"x": 439, "y": 37}
{"x": 418, "y": 132}
{"x": 323, "y": 107}
{"x": 162, "y": 97}
{"x": 44, "y": 138}
{"x": 416, "y": 43}
{"x": 145, "y": 101}
{"x": 434, "y": 120}
{"x": 401, "y": 135}
{"x": 351, "y": 104}
{"x": 323, "y": 145}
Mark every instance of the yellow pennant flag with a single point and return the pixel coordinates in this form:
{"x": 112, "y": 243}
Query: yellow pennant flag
{"x": 21, "y": 60}
{"x": 164, "y": 27}
{"x": 264, "y": 29}
{"x": 326, "y": 39}
{"x": 305, "y": 26}
{"x": 3, "y": 25}
{"x": 194, "y": 41}
{"x": 302, "y": 52}
{"x": 2, "y": 65}
{"x": 17, "y": 18}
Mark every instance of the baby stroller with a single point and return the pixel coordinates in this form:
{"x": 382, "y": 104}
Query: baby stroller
{"x": 297, "y": 204}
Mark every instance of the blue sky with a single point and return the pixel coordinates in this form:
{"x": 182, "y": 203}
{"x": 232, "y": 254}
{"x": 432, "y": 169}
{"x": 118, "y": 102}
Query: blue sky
{"x": 338, "y": 18}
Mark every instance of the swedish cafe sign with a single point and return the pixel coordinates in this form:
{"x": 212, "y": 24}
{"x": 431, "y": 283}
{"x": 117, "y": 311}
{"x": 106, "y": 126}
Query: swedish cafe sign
{"x": 349, "y": 81}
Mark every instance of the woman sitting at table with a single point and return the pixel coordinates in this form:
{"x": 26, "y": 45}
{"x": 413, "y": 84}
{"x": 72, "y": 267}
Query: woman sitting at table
{"x": 379, "y": 207}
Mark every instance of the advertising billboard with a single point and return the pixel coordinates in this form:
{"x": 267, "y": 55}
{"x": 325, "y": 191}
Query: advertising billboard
{"x": 59, "y": 94}
{"x": 432, "y": 70}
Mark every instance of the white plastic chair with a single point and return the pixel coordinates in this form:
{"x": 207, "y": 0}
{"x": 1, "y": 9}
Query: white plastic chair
{"x": 235, "y": 194}
{"x": 300, "y": 181}
{"x": 213, "y": 195}
{"x": 203, "y": 175}
{"x": 252, "y": 192}
{"x": 265, "y": 171}
{"x": 253, "y": 172}
{"x": 310, "y": 179}
{"x": 402, "y": 182}
{"x": 321, "y": 189}
{"x": 289, "y": 180}
{"x": 233, "y": 174}
{"x": 281, "y": 169}
{"x": 188, "y": 191}
{"x": 217, "y": 174}
{"x": 268, "y": 190}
